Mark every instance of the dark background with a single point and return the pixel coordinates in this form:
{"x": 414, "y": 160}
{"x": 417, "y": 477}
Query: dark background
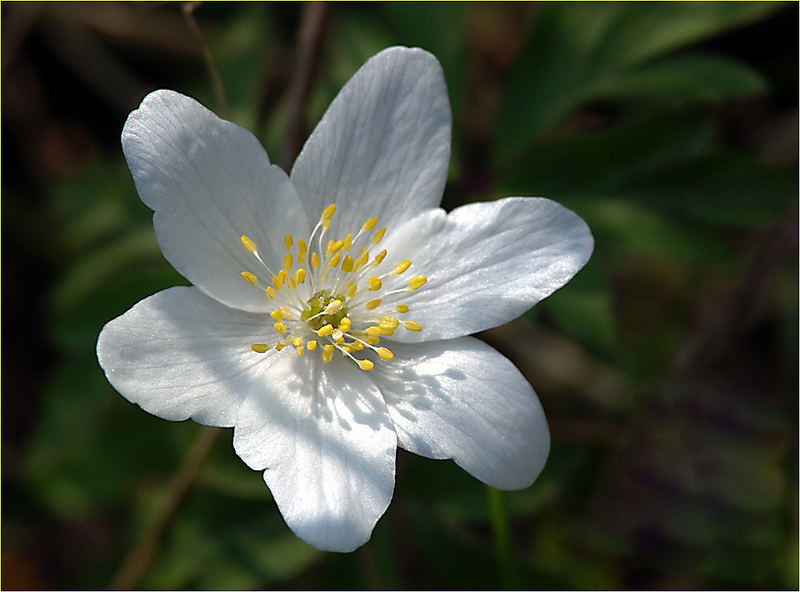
{"x": 667, "y": 367}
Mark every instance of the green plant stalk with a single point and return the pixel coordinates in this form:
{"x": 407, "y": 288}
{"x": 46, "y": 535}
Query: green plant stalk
{"x": 501, "y": 533}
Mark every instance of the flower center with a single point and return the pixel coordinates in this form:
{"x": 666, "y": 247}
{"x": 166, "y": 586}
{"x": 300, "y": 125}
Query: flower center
{"x": 333, "y": 300}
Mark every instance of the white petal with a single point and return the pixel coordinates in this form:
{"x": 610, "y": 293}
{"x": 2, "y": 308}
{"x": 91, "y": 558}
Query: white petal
{"x": 486, "y": 263}
{"x": 324, "y": 438}
{"x": 383, "y": 146}
{"x": 180, "y": 354}
{"x": 210, "y": 182}
{"x": 463, "y": 400}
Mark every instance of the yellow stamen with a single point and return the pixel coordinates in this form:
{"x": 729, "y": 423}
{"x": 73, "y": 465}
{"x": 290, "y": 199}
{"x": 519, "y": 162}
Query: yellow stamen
{"x": 344, "y": 324}
{"x": 388, "y": 323}
{"x": 350, "y": 292}
{"x": 249, "y": 245}
{"x": 369, "y": 224}
{"x": 311, "y": 345}
{"x": 372, "y": 339}
{"x": 378, "y": 236}
{"x": 297, "y": 341}
{"x": 373, "y": 304}
{"x": 314, "y": 260}
{"x": 378, "y": 331}
{"x": 412, "y": 325}
{"x": 300, "y": 351}
{"x": 250, "y": 278}
{"x": 365, "y": 365}
{"x": 356, "y": 346}
{"x": 299, "y": 276}
{"x": 328, "y": 212}
{"x": 259, "y": 347}
{"x": 379, "y": 257}
{"x": 288, "y": 241}
{"x": 270, "y": 292}
{"x": 362, "y": 259}
{"x": 302, "y": 251}
{"x": 417, "y": 282}
{"x": 287, "y": 262}
{"x": 384, "y": 353}
{"x": 402, "y": 266}
{"x": 333, "y": 307}
{"x": 401, "y": 308}
{"x": 374, "y": 283}
{"x": 326, "y": 330}
{"x": 337, "y": 336}
{"x": 280, "y": 345}
{"x": 277, "y": 315}
{"x": 334, "y": 260}
{"x": 281, "y": 327}
{"x": 348, "y": 241}
{"x": 327, "y": 352}
{"x": 348, "y": 263}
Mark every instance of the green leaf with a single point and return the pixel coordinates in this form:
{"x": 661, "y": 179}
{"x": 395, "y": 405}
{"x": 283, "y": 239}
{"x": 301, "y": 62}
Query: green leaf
{"x": 576, "y": 52}
{"x": 684, "y": 78}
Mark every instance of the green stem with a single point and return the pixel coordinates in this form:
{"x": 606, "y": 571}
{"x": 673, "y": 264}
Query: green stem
{"x": 501, "y": 531}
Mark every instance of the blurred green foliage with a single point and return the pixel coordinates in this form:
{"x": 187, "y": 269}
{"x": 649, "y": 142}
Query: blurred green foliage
{"x": 685, "y": 477}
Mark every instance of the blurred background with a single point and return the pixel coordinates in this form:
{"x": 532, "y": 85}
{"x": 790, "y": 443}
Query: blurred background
{"x": 668, "y": 367}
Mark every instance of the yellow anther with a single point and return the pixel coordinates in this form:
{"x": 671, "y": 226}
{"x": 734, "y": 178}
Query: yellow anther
{"x": 297, "y": 341}
{"x": 379, "y": 257}
{"x": 377, "y": 332}
{"x": 401, "y": 308}
{"x": 282, "y": 277}
{"x": 249, "y": 245}
{"x": 369, "y": 224}
{"x": 373, "y": 304}
{"x": 348, "y": 263}
{"x": 311, "y": 345}
{"x": 292, "y": 285}
{"x": 288, "y": 241}
{"x": 388, "y": 323}
{"x": 412, "y": 325}
{"x": 356, "y": 346}
{"x": 417, "y": 282}
{"x": 300, "y": 351}
{"x": 329, "y": 248}
{"x": 328, "y": 212}
{"x": 401, "y": 267}
{"x": 288, "y": 262}
{"x": 378, "y": 236}
{"x": 337, "y": 336}
{"x": 374, "y": 283}
{"x": 385, "y": 353}
{"x": 280, "y": 345}
{"x": 344, "y": 324}
{"x": 270, "y": 292}
{"x": 285, "y": 312}
{"x": 314, "y": 260}
{"x": 281, "y": 327}
{"x": 334, "y": 260}
{"x": 250, "y": 278}
{"x": 299, "y": 276}
{"x": 337, "y": 246}
{"x": 333, "y": 307}
{"x": 365, "y": 365}
{"x": 259, "y": 347}
{"x": 302, "y": 250}
{"x": 277, "y": 315}
{"x": 346, "y": 348}
{"x": 348, "y": 241}
{"x": 327, "y": 352}
{"x": 350, "y": 292}
{"x": 362, "y": 259}
{"x": 326, "y": 330}
{"x": 372, "y": 339}
{"x": 276, "y": 282}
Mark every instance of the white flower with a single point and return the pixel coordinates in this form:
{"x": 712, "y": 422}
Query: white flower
{"x": 327, "y": 335}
